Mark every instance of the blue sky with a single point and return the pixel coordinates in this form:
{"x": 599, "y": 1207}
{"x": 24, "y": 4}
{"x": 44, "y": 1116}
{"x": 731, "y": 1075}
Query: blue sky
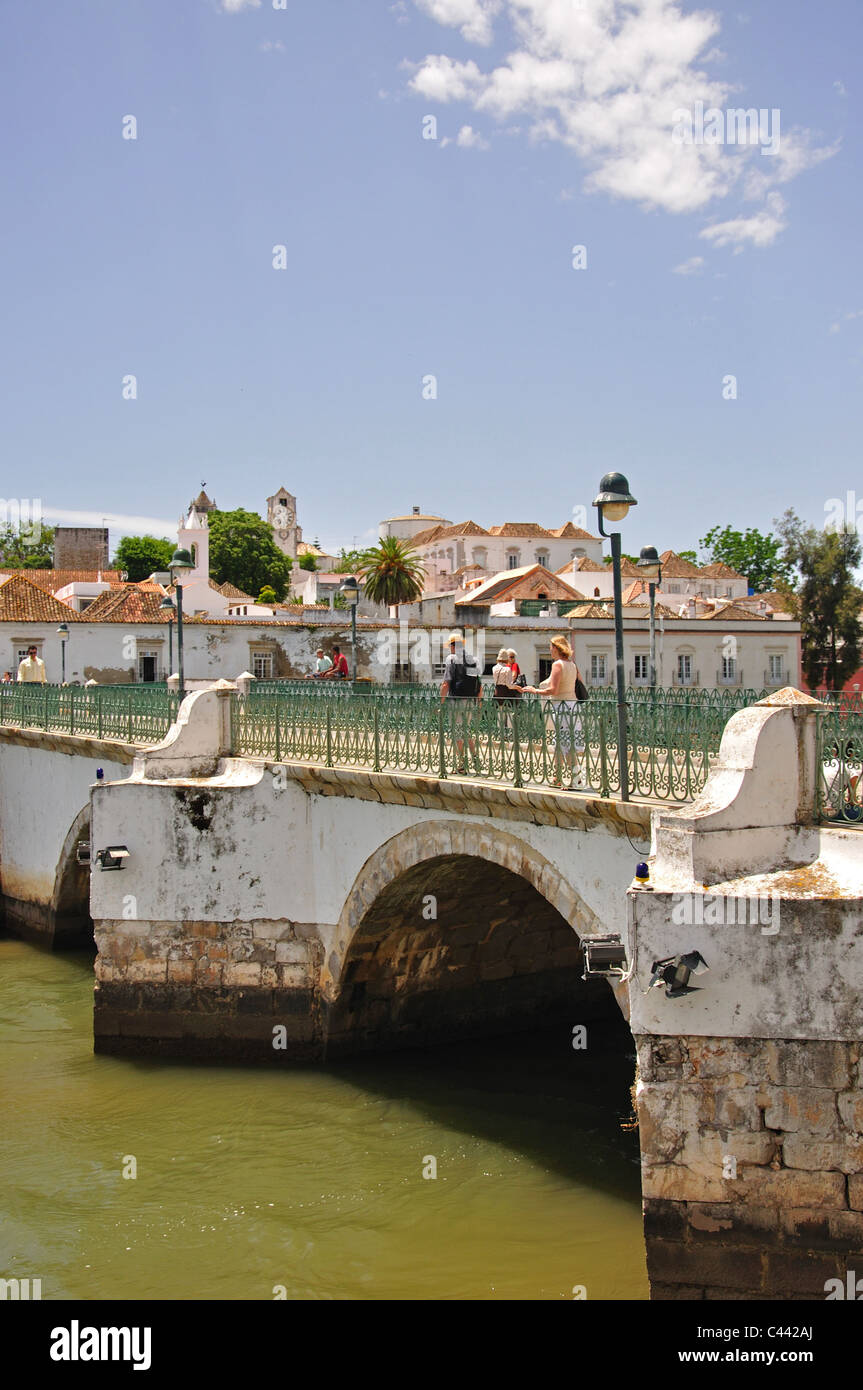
{"x": 408, "y": 257}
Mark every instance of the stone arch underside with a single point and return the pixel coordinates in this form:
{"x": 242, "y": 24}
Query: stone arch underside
{"x": 70, "y": 902}
{"x": 457, "y": 930}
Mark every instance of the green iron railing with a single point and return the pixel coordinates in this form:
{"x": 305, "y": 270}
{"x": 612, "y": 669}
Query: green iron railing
{"x": 840, "y": 758}
{"x": 527, "y": 742}
{"x": 131, "y": 713}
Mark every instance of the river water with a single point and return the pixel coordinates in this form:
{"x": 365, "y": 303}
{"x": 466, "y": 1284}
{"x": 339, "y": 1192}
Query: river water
{"x": 308, "y": 1184}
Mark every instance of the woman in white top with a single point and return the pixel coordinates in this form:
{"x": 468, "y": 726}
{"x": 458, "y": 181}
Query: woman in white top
{"x": 504, "y": 677}
{"x": 559, "y": 688}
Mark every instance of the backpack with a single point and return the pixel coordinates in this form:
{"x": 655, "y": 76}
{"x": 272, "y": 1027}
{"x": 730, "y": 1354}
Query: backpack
{"x": 463, "y": 683}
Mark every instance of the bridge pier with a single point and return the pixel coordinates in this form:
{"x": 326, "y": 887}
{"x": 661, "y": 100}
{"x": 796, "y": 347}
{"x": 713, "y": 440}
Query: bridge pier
{"x": 750, "y": 1088}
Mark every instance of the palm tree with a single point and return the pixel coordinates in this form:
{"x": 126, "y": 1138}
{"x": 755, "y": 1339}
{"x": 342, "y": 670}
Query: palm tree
{"x": 392, "y": 572}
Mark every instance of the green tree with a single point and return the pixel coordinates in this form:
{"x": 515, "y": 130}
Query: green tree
{"x": 267, "y": 596}
{"x": 27, "y": 547}
{"x": 308, "y": 561}
{"x": 759, "y": 557}
{"x": 393, "y": 573}
{"x": 141, "y": 556}
{"x": 688, "y": 555}
{"x": 243, "y": 552}
{"x": 349, "y": 561}
{"x": 825, "y": 598}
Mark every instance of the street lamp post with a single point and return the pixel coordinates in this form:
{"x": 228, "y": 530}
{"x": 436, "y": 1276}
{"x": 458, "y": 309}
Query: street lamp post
{"x": 168, "y": 606}
{"x": 63, "y": 633}
{"x": 180, "y": 560}
{"x": 651, "y": 568}
{"x": 351, "y": 590}
{"x": 613, "y": 502}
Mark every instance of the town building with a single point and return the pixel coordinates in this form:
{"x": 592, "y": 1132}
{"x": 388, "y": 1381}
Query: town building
{"x": 456, "y": 555}
{"x": 81, "y": 547}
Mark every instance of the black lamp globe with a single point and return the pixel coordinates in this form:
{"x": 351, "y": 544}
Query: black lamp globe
{"x": 614, "y": 497}
{"x": 648, "y": 563}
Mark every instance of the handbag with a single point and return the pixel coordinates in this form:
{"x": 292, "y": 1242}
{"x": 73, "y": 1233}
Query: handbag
{"x": 581, "y": 691}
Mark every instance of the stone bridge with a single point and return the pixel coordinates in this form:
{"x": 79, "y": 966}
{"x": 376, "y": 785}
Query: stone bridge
{"x": 289, "y": 912}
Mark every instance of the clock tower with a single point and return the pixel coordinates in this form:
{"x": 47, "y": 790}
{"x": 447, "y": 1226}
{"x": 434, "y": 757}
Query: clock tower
{"x": 282, "y": 517}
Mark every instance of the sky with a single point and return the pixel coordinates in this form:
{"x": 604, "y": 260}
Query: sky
{"x": 338, "y": 256}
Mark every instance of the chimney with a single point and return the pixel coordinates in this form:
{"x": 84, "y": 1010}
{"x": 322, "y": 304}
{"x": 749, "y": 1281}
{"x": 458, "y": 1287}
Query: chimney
{"x": 416, "y": 511}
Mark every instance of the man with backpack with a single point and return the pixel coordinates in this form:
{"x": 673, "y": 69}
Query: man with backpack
{"x": 462, "y": 688}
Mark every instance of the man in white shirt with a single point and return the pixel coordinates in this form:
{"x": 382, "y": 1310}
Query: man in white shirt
{"x": 31, "y": 668}
{"x": 323, "y": 663}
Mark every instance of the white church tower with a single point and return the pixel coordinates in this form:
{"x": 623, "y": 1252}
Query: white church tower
{"x": 193, "y": 534}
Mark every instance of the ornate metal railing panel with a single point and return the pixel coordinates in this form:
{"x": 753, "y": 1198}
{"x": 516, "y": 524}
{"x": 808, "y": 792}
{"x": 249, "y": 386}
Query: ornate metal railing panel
{"x": 131, "y": 714}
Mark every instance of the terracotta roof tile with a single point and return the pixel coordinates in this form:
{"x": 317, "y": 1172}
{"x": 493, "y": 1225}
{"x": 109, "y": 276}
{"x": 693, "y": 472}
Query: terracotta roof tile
{"x": 673, "y": 567}
{"x": 58, "y": 579}
{"x": 134, "y": 603}
{"x": 23, "y": 601}
{"x": 572, "y": 533}
{"x": 718, "y": 570}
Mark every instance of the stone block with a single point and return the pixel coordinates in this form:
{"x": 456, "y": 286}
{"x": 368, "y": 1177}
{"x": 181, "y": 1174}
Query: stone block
{"x": 828, "y": 1155}
{"x": 740, "y": 1062}
{"x": 790, "y": 1187}
{"x": 810, "y": 1063}
{"x": 291, "y": 952}
{"x": 664, "y": 1219}
{"x": 674, "y": 1292}
{"x": 242, "y": 973}
{"x": 801, "y": 1108}
{"x": 855, "y": 1192}
{"x": 801, "y": 1272}
{"x": 703, "y": 1265}
{"x": 146, "y": 971}
{"x": 181, "y": 971}
{"x": 671, "y": 1182}
{"x": 208, "y": 973}
{"x": 293, "y": 976}
{"x": 851, "y": 1111}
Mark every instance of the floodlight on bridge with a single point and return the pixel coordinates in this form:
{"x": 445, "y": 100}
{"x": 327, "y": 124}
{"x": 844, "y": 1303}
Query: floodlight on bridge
{"x": 112, "y": 857}
{"x": 675, "y": 972}
{"x": 604, "y": 957}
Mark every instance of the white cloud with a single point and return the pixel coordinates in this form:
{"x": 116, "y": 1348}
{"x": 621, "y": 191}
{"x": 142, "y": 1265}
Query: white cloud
{"x": 693, "y": 266}
{"x": 234, "y": 6}
{"x": 760, "y": 230}
{"x": 272, "y": 46}
{"x": 839, "y": 86}
{"x": 473, "y": 18}
{"x": 605, "y": 78}
{"x": 400, "y": 11}
{"x": 127, "y": 525}
{"x": 470, "y": 139}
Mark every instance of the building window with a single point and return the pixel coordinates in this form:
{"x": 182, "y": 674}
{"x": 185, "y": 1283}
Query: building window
{"x": 542, "y": 558}
{"x": 148, "y": 665}
{"x": 84, "y": 603}
{"x": 729, "y": 668}
{"x": 545, "y": 665}
{"x": 22, "y": 654}
{"x": 262, "y": 666}
{"x": 597, "y": 668}
{"x": 672, "y": 588}
{"x": 512, "y": 560}
{"x": 641, "y": 666}
{"x": 776, "y": 670}
{"x": 684, "y": 670}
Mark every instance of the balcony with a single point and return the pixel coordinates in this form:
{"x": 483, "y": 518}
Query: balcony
{"x": 776, "y": 679}
{"x": 733, "y": 682}
{"x": 639, "y": 680}
{"x": 682, "y": 682}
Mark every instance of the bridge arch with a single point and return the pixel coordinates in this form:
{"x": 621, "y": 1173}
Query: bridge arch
{"x": 69, "y": 910}
{"x": 456, "y": 929}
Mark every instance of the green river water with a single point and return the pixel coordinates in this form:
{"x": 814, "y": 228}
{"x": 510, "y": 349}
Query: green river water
{"x": 310, "y": 1179}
